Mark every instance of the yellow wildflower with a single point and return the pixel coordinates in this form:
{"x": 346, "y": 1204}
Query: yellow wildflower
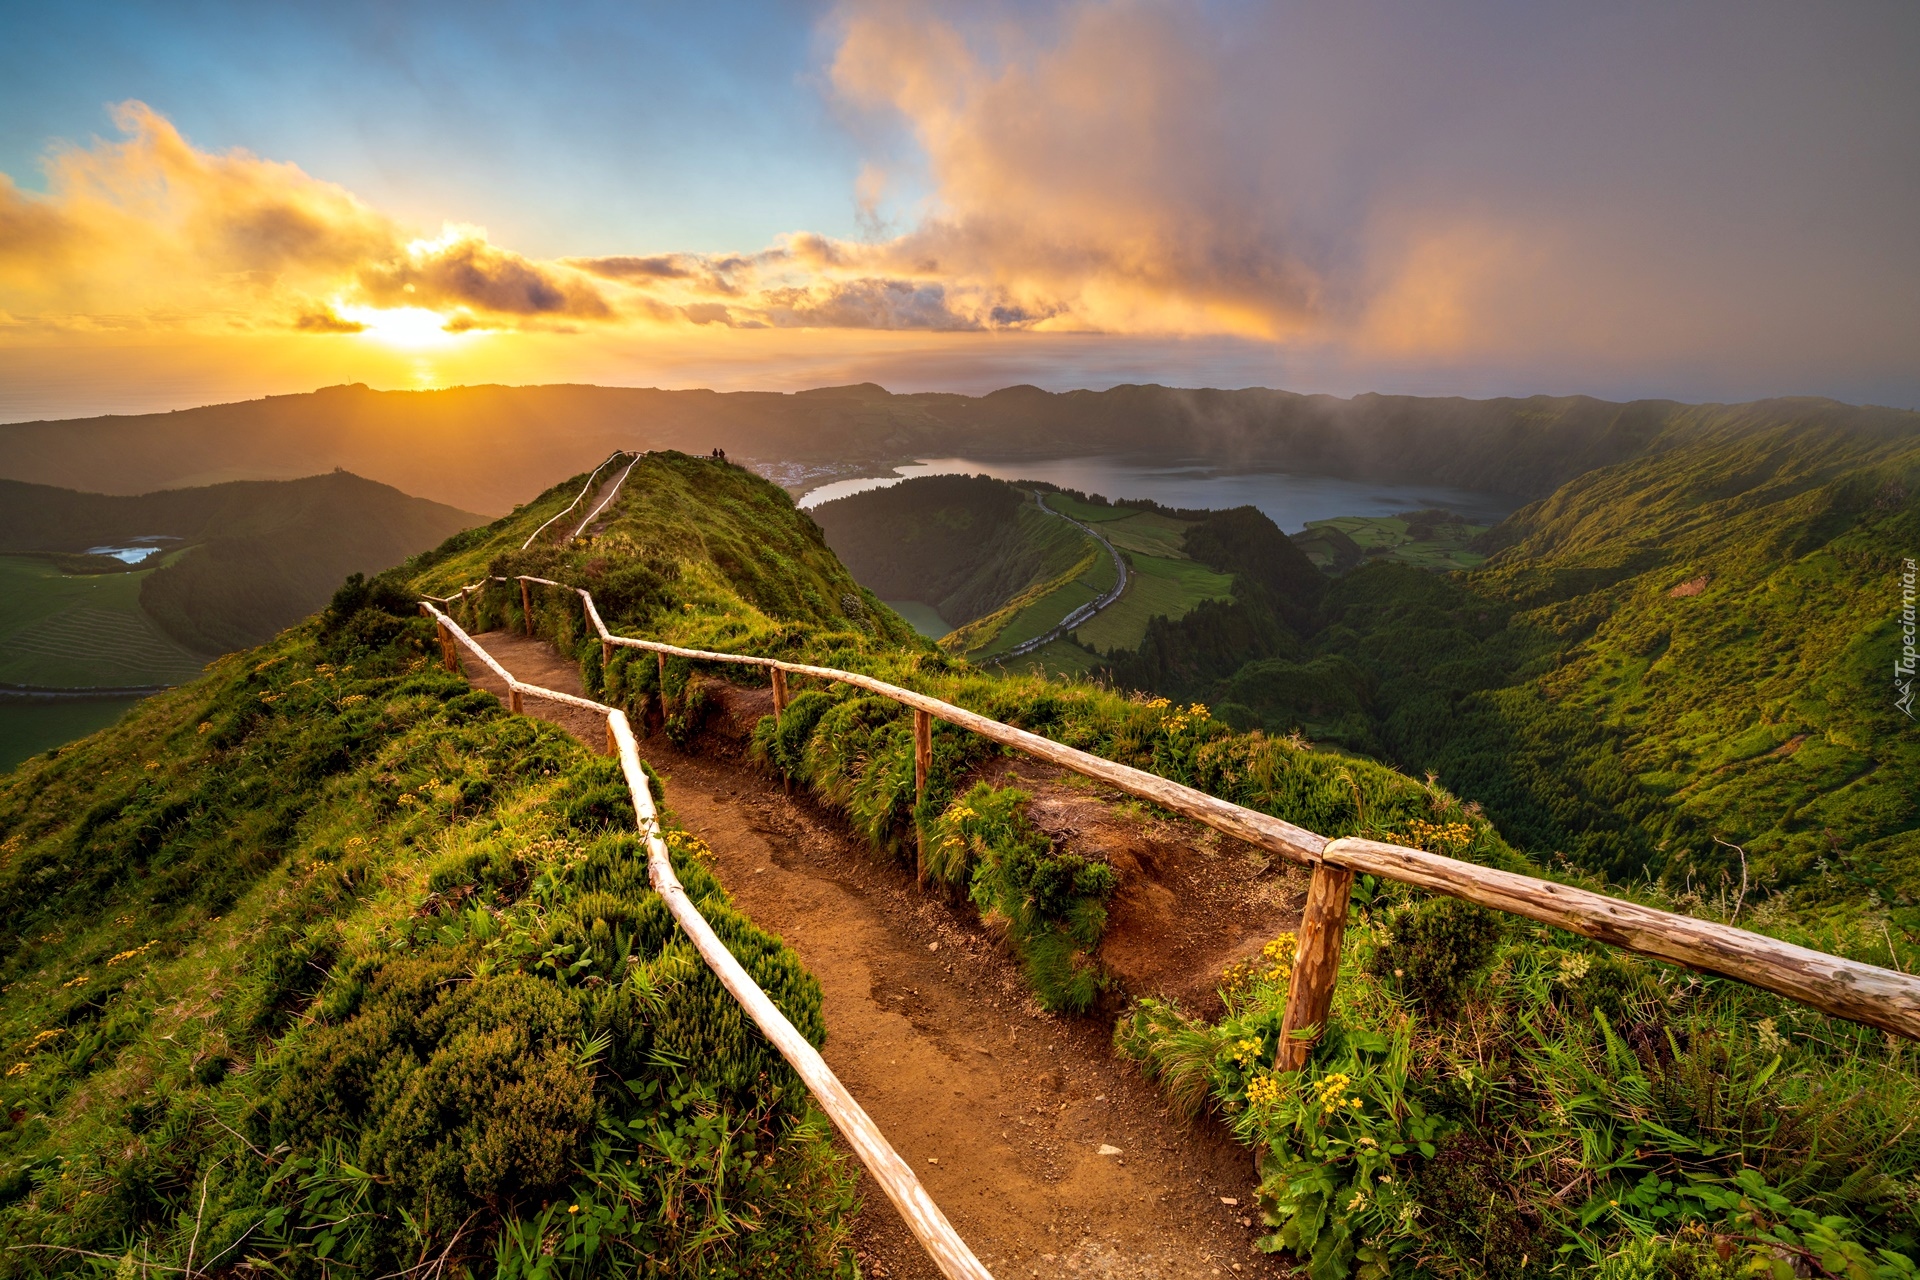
{"x": 1263, "y": 1089}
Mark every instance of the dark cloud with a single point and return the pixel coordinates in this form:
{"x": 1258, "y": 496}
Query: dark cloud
{"x": 325, "y": 321}
{"x": 470, "y": 272}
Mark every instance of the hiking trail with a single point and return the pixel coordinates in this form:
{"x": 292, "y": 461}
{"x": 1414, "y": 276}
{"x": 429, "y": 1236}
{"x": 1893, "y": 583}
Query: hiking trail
{"x": 1001, "y": 1108}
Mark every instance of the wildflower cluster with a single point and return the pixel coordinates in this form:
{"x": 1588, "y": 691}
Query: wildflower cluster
{"x": 1330, "y": 1093}
{"x": 1438, "y": 837}
{"x": 1271, "y": 970}
{"x": 1245, "y": 1051}
{"x": 1193, "y": 714}
{"x": 136, "y": 952}
{"x": 1263, "y": 1090}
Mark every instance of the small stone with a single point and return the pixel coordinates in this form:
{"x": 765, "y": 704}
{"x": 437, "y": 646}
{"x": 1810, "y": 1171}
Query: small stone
{"x": 1106, "y": 1149}
{"x": 933, "y": 1160}
{"x": 1229, "y": 1200}
{"x": 933, "y": 946}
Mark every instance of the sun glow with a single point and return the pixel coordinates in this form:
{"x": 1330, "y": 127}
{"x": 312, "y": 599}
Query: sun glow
{"x": 408, "y": 328}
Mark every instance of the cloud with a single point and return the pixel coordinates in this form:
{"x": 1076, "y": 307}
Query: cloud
{"x": 1473, "y": 198}
{"x": 325, "y": 321}
{"x": 158, "y": 233}
{"x": 462, "y": 269}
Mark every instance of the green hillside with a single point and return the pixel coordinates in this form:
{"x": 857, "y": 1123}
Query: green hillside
{"x": 1001, "y": 570}
{"x": 962, "y": 545}
{"x": 327, "y": 957}
{"x": 324, "y": 964}
{"x": 1673, "y": 663}
{"x": 242, "y": 560}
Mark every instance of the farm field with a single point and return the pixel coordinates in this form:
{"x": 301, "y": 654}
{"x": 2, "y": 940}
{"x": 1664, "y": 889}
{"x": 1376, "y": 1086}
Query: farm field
{"x": 1160, "y": 587}
{"x": 1046, "y": 612}
{"x": 1436, "y": 544}
{"x": 29, "y": 726}
{"x": 73, "y": 632}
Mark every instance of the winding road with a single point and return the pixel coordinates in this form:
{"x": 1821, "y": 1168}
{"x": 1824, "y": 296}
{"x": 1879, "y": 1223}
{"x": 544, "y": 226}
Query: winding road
{"x": 1085, "y": 611}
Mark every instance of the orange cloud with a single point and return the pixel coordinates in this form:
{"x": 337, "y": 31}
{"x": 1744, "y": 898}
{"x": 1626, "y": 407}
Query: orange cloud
{"x": 150, "y": 231}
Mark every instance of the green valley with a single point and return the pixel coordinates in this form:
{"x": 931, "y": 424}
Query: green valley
{"x": 218, "y": 568}
{"x": 326, "y": 964}
{"x": 1021, "y": 568}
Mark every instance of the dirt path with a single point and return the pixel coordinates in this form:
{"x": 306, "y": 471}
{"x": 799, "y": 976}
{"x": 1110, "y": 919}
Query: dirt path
{"x": 602, "y": 498}
{"x": 1002, "y": 1109}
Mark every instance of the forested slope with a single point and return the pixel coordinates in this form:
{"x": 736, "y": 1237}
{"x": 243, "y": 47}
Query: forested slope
{"x": 1675, "y": 662}
{"x": 964, "y": 545}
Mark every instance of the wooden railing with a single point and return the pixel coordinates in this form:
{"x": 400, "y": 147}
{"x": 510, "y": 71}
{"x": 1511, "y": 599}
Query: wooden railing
{"x": 1864, "y": 993}
{"x": 591, "y": 476}
{"x": 895, "y": 1176}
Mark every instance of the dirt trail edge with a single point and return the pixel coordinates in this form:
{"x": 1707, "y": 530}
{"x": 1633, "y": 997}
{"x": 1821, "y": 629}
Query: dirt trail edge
{"x": 1002, "y": 1109}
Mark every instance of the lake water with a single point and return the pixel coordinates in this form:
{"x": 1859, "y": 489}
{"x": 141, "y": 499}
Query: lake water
{"x": 1289, "y": 499}
{"x": 143, "y": 546}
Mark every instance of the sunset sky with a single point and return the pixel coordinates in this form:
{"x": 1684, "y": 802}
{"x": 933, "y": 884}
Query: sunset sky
{"x": 205, "y": 201}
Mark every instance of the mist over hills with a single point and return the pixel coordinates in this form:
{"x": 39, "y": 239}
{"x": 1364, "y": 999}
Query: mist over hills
{"x": 472, "y": 447}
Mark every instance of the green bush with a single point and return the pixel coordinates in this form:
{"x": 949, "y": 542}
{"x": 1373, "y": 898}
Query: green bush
{"x": 1054, "y": 903}
{"x": 1435, "y": 949}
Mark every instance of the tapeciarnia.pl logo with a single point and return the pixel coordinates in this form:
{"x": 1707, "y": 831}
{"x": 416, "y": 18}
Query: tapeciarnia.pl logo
{"x": 1903, "y": 665}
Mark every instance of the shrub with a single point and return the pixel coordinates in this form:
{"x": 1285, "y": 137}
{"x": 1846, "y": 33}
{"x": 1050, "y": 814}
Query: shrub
{"x": 1054, "y": 903}
{"x": 1435, "y": 949}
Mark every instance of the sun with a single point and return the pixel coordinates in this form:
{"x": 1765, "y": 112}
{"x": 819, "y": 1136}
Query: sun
{"x": 407, "y": 328}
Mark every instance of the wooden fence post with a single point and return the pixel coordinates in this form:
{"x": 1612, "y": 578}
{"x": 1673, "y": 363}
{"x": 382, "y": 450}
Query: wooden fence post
{"x": 526, "y": 608}
{"x": 513, "y": 702}
{"x": 779, "y": 694}
{"x": 1316, "y": 964}
{"x": 613, "y": 743}
{"x": 606, "y": 656}
{"x": 447, "y": 658}
{"x": 922, "y": 765}
{"x": 663, "y": 680}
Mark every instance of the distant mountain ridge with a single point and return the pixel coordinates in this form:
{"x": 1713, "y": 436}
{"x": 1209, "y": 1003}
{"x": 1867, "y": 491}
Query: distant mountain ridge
{"x": 472, "y": 446}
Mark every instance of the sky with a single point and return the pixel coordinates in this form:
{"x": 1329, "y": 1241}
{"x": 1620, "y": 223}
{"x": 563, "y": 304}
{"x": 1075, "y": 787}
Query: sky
{"x": 210, "y": 201}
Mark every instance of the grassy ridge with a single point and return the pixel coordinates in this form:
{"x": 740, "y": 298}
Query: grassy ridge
{"x": 1489, "y": 1098}
{"x": 326, "y": 963}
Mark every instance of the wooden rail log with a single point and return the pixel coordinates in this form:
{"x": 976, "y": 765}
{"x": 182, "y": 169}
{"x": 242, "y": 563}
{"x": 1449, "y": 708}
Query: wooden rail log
{"x": 1883, "y": 998}
{"x": 923, "y": 1217}
{"x": 896, "y": 1178}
